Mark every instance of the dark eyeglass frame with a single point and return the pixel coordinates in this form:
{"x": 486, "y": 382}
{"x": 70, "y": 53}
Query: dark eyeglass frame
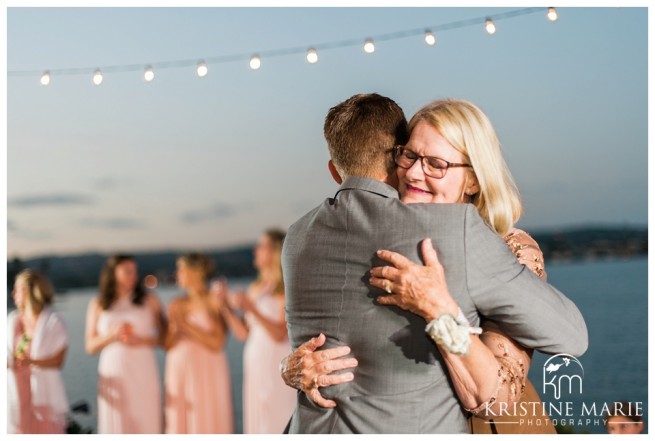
{"x": 397, "y": 151}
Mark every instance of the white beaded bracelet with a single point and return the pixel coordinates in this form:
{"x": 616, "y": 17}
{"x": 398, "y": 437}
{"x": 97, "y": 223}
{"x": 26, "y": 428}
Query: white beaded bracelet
{"x": 453, "y": 334}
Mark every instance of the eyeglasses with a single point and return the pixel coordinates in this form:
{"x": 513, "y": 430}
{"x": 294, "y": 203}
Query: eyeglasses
{"x": 431, "y": 165}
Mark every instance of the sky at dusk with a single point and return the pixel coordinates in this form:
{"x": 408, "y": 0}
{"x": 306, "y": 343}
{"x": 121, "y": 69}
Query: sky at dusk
{"x": 188, "y": 162}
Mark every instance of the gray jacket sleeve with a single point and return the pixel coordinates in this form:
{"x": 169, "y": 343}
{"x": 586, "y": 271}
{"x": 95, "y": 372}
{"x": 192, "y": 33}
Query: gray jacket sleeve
{"x": 531, "y": 311}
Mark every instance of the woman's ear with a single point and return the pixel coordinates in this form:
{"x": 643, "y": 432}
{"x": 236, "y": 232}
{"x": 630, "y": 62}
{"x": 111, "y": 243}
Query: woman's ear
{"x": 472, "y": 185}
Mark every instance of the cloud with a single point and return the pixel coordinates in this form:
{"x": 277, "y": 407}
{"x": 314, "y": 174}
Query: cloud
{"x": 110, "y": 183}
{"x": 63, "y": 199}
{"x": 32, "y": 235}
{"x": 216, "y": 212}
{"x": 113, "y": 223}
{"x": 106, "y": 183}
{"x": 11, "y": 226}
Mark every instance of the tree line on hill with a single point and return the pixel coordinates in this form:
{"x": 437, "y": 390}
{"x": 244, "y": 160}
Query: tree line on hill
{"x": 77, "y": 271}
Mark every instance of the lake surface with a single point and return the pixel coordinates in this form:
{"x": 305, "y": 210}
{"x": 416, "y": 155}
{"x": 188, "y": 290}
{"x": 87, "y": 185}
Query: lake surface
{"x": 612, "y": 295}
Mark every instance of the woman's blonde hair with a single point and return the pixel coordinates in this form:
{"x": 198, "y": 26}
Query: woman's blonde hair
{"x": 469, "y": 130}
{"x": 40, "y": 292}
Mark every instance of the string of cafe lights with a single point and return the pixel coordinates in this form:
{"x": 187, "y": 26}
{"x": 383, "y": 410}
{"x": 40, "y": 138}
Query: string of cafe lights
{"x": 311, "y": 53}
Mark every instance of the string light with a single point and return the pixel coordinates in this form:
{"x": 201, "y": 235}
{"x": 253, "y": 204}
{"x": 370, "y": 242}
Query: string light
{"x": 312, "y": 56}
{"x": 149, "y": 74}
{"x": 490, "y": 27}
{"x": 552, "y": 14}
{"x": 255, "y": 62}
{"x": 429, "y": 34}
{"x": 201, "y": 69}
{"x": 45, "y": 78}
{"x": 97, "y": 77}
{"x": 430, "y": 39}
{"x": 369, "y": 46}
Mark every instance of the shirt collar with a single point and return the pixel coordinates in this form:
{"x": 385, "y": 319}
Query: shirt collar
{"x": 369, "y": 185}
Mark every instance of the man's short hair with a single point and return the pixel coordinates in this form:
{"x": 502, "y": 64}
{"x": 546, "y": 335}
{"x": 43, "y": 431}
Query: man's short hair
{"x": 361, "y": 133}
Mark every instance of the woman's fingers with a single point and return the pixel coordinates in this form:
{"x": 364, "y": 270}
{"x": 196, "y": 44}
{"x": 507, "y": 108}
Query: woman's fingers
{"x": 317, "y": 398}
{"x": 429, "y": 253}
{"x": 397, "y": 260}
{"x": 330, "y": 380}
{"x": 391, "y": 300}
{"x": 385, "y": 272}
{"x": 324, "y": 381}
{"x": 327, "y": 367}
{"x": 311, "y": 345}
{"x": 382, "y": 283}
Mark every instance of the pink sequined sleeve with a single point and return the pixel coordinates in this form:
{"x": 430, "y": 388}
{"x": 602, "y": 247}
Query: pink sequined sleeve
{"x": 513, "y": 359}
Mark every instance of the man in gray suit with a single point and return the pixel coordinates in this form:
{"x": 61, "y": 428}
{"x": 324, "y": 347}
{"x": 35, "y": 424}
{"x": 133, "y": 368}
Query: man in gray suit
{"x": 401, "y": 383}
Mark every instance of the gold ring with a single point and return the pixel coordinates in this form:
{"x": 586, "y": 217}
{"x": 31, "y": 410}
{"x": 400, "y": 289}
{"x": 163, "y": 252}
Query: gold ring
{"x": 387, "y": 287}
{"x": 315, "y": 382}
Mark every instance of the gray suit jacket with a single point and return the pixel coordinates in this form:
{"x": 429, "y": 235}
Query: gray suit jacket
{"x": 401, "y": 384}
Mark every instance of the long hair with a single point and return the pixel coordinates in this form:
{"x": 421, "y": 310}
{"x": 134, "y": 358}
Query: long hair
{"x": 276, "y": 236}
{"x": 469, "y": 131}
{"x": 108, "y": 292}
{"x": 40, "y": 292}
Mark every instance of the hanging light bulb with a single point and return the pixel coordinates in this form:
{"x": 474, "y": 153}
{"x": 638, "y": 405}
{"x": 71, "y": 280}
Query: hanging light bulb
{"x": 369, "y": 46}
{"x": 255, "y": 62}
{"x": 490, "y": 27}
{"x": 97, "y": 77}
{"x": 149, "y": 74}
{"x": 430, "y": 39}
{"x": 201, "y": 69}
{"x": 552, "y": 14}
{"x": 45, "y": 78}
{"x": 312, "y": 56}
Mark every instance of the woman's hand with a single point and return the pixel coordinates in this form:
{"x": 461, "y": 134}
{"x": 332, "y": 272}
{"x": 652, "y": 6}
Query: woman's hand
{"x": 219, "y": 290}
{"x": 240, "y": 300}
{"x": 415, "y": 288}
{"x": 21, "y": 360}
{"x": 307, "y": 369}
{"x": 119, "y": 331}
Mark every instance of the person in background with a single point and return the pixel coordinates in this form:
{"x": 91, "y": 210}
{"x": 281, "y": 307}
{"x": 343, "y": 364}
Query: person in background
{"x": 124, "y": 323}
{"x": 197, "y": 377}
{"x": 267, "y": 402}
{"x": 37, "y": 341}
{"x": 623, "y": 419}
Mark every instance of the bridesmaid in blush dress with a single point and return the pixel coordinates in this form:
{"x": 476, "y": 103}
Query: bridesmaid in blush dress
{"x": 267, "y": 402}
{"x": 197, "y": 378}
{"x": 36, "y": 348}
{"x": 125, "y": 324}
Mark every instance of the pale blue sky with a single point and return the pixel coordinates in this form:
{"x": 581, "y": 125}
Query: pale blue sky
{"x": 198, "y": 163}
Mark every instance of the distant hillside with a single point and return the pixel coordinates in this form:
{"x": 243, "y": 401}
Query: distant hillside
{"x": 568, "y": 244}
{"x": 84, "y": 270}
{"x": 591, "y": 243}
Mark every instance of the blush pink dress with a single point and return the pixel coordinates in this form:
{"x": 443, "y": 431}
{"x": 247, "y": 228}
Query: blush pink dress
{"x": 28, "y": 422}
{"x": 198, "y": 391}
{"x": 129, "y": 387}
{"x": 267, "y": 402}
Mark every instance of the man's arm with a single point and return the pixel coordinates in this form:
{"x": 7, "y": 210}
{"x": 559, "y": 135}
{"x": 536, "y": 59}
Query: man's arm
{"x": 528, "y": 309}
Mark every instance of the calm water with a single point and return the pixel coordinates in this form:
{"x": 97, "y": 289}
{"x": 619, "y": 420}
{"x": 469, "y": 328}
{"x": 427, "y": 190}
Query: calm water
{"x": 611, "y": 295}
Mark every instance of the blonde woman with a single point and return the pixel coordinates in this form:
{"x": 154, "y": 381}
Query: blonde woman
{"x": 197, "y": 377}
{"x": 37, "y": 341}
{"x": 453, "y": 156}
{"x": 267, "y": 402}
